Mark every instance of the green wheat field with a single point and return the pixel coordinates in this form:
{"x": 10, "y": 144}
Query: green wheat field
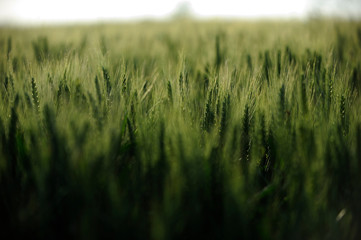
{"x": 181, "y": 130}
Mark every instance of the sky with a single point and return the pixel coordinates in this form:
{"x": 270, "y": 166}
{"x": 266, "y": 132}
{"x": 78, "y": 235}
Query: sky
{"x": 59, "y": 11}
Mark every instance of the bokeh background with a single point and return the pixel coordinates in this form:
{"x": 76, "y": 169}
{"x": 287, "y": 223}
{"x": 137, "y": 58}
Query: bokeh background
{"x": 70, "y": 11}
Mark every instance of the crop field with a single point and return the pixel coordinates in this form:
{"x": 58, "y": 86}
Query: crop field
{"x": 181, "y": 130}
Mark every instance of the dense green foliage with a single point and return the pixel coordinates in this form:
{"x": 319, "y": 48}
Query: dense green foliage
{"x": 176, "y": 130}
